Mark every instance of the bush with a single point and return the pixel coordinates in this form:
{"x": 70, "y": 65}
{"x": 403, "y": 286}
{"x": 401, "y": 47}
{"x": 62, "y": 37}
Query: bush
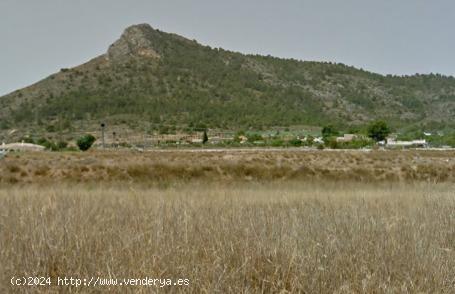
{"x": 332, "y": 143}
{"x": 277, "y": 143}
{"x": 62, "y": 145}
{"x": 356, "y": 144}
{"x": 85, "y": 142}
{"x": 255, "y": 137}
{"x": 42, "y": 141}
{"x": 27, "y": 140}
{"x": 165, "y": 130}
{"x": 361, "y": 143}
{"x": 48, "y": 144}
{"x": 201, "y": 126}
{"x": 309, "y": 140}
{"x": 295, "y": 142}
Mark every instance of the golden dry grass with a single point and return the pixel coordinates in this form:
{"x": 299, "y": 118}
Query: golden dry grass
{"x": 287, "y": 237}
{"x": 229, "y": 166}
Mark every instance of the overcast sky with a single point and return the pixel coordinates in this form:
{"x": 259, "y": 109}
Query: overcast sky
{"x": 38, "y": 37}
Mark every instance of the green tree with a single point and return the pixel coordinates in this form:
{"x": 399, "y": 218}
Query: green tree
{"x": 205, "y": 138}
{"x": 378, "y": 130}
{"x": 329, "y": 131}
{"x": 85, "y": 142}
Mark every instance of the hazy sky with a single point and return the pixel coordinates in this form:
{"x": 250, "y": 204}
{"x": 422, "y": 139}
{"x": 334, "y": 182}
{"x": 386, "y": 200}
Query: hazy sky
{"x": 38, "y": 37}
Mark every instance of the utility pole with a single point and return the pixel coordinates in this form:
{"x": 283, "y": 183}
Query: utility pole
{"x": 115, "y": 139}
{"x": 102, "y": 134}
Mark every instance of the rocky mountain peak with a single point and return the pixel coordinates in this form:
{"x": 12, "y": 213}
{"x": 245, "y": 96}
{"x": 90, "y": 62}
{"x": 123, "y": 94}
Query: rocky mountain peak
{"x": 136, "y": 40}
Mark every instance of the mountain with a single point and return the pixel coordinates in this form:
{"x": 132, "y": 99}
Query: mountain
{"x": 149, "y": 78}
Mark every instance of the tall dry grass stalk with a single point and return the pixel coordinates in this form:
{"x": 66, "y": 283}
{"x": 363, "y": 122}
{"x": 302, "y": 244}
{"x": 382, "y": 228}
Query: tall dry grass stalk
{"x": 246, "y": 238}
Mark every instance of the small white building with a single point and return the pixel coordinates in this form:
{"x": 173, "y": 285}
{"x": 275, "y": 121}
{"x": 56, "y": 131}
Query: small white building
{"x": 196, "y": 140}
{"x": 392, "y": 143}
{"x": 318, "y": 140}
{"x": 24, "y": 147}
{"x": 346, "y": 138}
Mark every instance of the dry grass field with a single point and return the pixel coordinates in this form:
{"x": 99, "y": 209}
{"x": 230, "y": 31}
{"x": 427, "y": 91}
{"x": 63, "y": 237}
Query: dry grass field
{"x": 228, "y": 166}
{"x": 231, "y": 222}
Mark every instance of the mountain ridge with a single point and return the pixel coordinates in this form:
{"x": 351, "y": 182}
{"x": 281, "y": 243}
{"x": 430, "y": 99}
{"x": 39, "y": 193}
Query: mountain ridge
{"x": 161, "y": 78}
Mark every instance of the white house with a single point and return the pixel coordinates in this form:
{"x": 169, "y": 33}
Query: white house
{"x": 392, "y": 143}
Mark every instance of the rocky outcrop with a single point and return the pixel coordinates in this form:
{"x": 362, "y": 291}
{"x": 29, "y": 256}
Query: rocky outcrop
{"x": 136, "y": 40}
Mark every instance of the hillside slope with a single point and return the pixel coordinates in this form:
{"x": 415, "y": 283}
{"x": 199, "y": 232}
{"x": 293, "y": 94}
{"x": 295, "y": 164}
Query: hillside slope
{"x": 152, "y": 77}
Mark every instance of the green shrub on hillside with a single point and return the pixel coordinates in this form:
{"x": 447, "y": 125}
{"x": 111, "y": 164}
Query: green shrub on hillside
{"x": 85, "y": 142}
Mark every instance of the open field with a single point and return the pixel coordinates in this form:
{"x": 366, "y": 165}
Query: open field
{"x": 248, "y": 238}
{"x": 231, "y": 221}
{"x": 229, "y": 166}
